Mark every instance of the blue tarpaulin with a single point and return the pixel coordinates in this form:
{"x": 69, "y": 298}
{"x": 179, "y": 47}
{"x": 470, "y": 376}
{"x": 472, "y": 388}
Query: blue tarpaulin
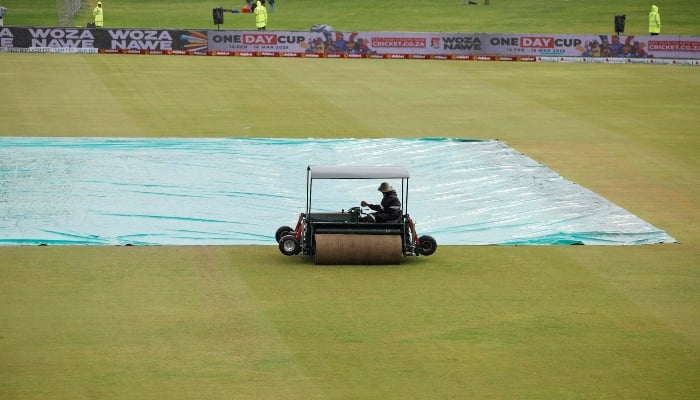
{"x": 104, "y": 191}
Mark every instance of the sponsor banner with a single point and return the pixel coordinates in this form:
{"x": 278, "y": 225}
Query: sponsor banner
{"x": 47, "y": 38}
{"x": 599, "y": 60}
{"x": 688, "y": 44}
{"x": 685, "y": 62}
{"x": 517, "y": 46}
{"x": 594, "y": 46}
{"x": 63, "y": 50}
{"x": 329, "y": 44}
{"x": 264, "y": 41}
{"x": 351, "y": 44}
{"x": 527, "y": 59}
{"x": 138, "y": 41}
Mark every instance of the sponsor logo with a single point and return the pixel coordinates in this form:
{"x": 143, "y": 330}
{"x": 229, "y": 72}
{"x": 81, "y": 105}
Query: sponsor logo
{"x": 61, "y": 38}
{"x": 674, "y": 45}
{"x": 398, "y": 42}
{"x": 66, "y": 50}
{"x": 461, "y": 43}
{"x": 505, "y": 41}
{"x": 547, "y": 42}
{"x": 254, "y": 39}
{"x": 259, "y": 38}
{"x": 18, "y": 50}
{"x": 6, "y": 37}
{"x": 139, "y": 39}
{"x": 537, "y": 42}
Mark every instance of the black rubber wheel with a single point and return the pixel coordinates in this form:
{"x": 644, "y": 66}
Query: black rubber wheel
{"x": 428, "y": 245}
{"x": 289, "y": 245}
{"x": 283, "y": 231}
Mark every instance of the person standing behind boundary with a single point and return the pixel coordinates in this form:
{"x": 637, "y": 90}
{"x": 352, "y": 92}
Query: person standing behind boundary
{"x": 272, "y": 5}
{"x": 3, "y": 11}
{"x": 260, "y": 15}
{"x": 654, "y": 21}
{"x": 99, "y": 15}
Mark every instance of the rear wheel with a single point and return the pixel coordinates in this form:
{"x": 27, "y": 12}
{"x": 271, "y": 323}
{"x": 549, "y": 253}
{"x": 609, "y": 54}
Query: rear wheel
{"x": 289, "y": 245}
{"x": 283, "y": 231}
{"x": 427, "y": 245}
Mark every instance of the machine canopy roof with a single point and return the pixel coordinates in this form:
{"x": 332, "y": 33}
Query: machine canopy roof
{"x": 356, "y": 172}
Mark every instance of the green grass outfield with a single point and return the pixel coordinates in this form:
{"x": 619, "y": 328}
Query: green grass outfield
{"x": 679, "y": 17}
{"x": 471, "y": 322}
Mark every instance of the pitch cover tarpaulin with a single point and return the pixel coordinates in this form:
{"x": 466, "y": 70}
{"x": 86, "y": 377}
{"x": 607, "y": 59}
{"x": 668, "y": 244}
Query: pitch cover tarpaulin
{"x": 97, "y": 191}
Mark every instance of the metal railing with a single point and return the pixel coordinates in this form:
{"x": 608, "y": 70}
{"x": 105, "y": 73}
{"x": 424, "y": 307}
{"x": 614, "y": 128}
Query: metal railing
{"x": 66, "y": 10}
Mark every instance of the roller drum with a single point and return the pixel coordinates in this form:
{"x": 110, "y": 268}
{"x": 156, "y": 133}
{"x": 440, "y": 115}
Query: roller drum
{"x": 358, "y": 249}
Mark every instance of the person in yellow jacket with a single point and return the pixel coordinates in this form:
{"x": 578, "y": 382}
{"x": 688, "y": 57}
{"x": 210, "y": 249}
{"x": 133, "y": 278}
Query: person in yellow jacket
{"x": 99, "y": 15}
{"x": 260, "y": 15}
{"x": 654, "y": 21}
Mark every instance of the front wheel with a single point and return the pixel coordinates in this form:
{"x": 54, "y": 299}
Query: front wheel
{"x": 427, "y": 245}
{"x": 289, "y": 245}
{"x": 283, "y": 231}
